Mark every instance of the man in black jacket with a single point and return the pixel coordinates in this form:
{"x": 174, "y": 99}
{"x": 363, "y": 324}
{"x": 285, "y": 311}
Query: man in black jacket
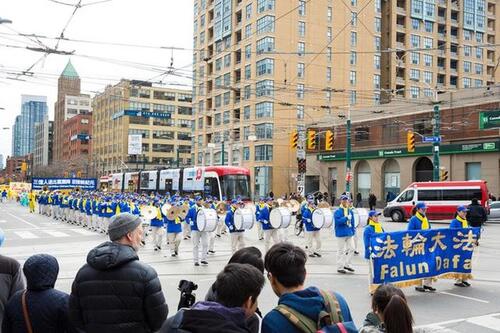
{"x": 476, "y": 214}
{"x": 114, "y": 291}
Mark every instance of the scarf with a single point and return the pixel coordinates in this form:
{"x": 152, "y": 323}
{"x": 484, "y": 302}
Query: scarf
{"x": 424, "y": 220}
{"x": 465, "y": 224}
{"x": 377, "y": 226}
{"x": 158, "y": 213}
{"x": 346, "y": 210}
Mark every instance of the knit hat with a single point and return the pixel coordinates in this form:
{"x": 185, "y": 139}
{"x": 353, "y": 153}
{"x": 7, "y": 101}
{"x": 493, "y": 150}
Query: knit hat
{"x": 122, "y": 224}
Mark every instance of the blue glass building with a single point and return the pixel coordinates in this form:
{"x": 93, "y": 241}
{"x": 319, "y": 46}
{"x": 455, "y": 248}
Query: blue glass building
{"x": 33, "y": 110}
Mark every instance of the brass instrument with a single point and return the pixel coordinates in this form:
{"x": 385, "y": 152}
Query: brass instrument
{"x": 221, "y": 208}
{"x": 323, "y": 204}
{"x": 148, "y": 212}
{"x": 182, "y": 211}
{"x": 294, "y": 206}
{"x": 165, "y": 208}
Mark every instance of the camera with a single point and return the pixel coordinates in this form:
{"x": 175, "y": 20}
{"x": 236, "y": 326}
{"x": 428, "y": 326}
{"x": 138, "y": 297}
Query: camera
{"x": 187, "y": 298}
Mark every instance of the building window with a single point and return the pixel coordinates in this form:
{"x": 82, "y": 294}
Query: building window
{"x": 428, "y": 77}
{"x": 362, "y": 134}
{"x": 329, "y": 53}
{"x": 300, "y": 70}
{"x": 300, "y": 112}
{"x": 248, "y": 30}
{"x": 352, "y": 97}
{"x": 329, "y": 34}
{"x": 264, "y": 131}
{"x": 414, "y": 92}
{"x": 227, "y": 97}
{"x": 246, "y": 153}
{"x": 264, "y": 88}
{"x": 479, "y": 53}
{"x": 428, "y": 60}
{"x": 378, "y": 24}
{"x": 265, "y": 66}
{"x": 265, "y": 24}
{"x": 377, "y": 43}
{"x": 264, "y": 153}
{"x": 300, "y": 91}
{"x": 479, "y": 69}
{"x": 376, "y": 81}
{"x": 227, "y": 79}
{"x": 248, "y": 72}
{"x": 353, "y": 59}
{"x": 302, "y": 29}
{"x": 415, "y": 74}
{"x": 352, "y": 78}
{"x": 415, "y": 58}
{"x": 428, "y": 42}
{"x": 466, "y": 82}
{"x": 428, "y": 92}
{"x": 478, "y": 83}
{"x": 376, "y": 61}
{"x": 247, "y": 92}
{"x": 354, "y": 38}
{"x": 354, "y": 19}
{"x": 467, "y": 35}
{"x": 473, "y": 171}
{"x": 248, "y": 11}
{"x": 248, "y": 51}
{"x": 301, "y": 49}
{"x": 302, "y": 8}
{"x": 415, "y": 41}
{"x": 467, "y": 66}
{"x": 246, "y": 112}
{"x": 328, "y": 74}
{"x": 467, "y": 50}
{"x": 227, "y": 60}
{"x": 264, "y": 5}
{"x": 329, "y": 14}
{"x": 429, "y": 26}
{"x": 264, "y": 110}
{"x": 415, "y": 24}
{"x": 226, "y": 117}
{"x": 265, "y": 44}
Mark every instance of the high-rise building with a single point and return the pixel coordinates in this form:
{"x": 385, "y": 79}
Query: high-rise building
{"x": 1, "y": 162}
{"x": 439, "y": 45}
{"x": 42, "y": 154}
{"x": 161, "y": 116}
{"x": 33, "y": 110}
{"x": 68, "y": 85}
{"x": 264, "y": 68}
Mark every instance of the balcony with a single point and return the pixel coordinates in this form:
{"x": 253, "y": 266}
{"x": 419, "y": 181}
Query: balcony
{"x": 400, "y": 45}
{"x": 400, "y": 27}
{"x": 401, "y": 11}
{"x": 454, "y": 38}
{"x": 400, "y": 80}
{"x": 441, "y": 69}
{"x": 442, "y": 3}
{"x": 453, "y": 70}
{"x": 441, "y": 20}
{"x": 454, "y": 5}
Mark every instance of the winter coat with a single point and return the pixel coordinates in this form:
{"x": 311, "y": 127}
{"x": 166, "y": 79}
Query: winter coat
{"x": 476, "y": 215}
{"x": 342, "y": 228}
{"x": 307, "y": 219}
{"x": 309, "y": 302}
{"x": 47, "y": 307}
{"x": 115, "y": 292}
{"x": 263, "y": 216}
{"x": 207, "y": 317}
{"x": 11, "y": 281}
{"x": 367, "y": 234}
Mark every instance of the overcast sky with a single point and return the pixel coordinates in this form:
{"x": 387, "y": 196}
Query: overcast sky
{"x": 146, "y": 22}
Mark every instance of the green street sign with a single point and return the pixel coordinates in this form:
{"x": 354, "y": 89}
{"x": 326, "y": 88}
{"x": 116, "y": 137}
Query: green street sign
{"x": 489, "y": 119}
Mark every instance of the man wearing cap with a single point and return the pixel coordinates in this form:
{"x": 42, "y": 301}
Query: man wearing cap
{"x": 373, "y": 227}
{"x": 420, "y": 222}
{"x": 460, "y": 222}
{"x": 237, "y": 235}
{"x": 114, "y": 291}
{"x": 312, "y": 233}
{"x": 262, "y": 216}
{"x": 344, "y": 231}
{"x": 260, "y": 230}
{"x": 198, "y": 235}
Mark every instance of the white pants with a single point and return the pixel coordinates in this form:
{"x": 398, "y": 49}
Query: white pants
{"x": 4, "y": 199}
{"x": 196, "y": 236}
{"x": 88, "y": 221}
{"x": 186, "y": 230}
{"x": 260, "y": 231}
{"x": 310, "y": 237}
{"x": 95, "y": 221}
{"x": 211, "y": 241}
{"x": 174, "y": 241}
{"x": 355, "y": 238}
{"x": 271, "y": 234}
{"x": 221, "y": 226}
{"x": 284, "y": 234}
{"x": 237, "y": 240}
{"x": 158, "y": 233}
{"x": 345, "y": 251}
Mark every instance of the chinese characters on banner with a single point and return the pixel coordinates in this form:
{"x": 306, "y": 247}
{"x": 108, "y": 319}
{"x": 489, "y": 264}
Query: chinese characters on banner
{"x": 405, "y": 257}
{"x": 64, "y": 183}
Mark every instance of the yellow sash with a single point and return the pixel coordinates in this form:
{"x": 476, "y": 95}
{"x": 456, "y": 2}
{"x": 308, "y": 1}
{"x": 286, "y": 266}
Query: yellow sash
{"x": 377, "y": 226}
{"x": 465, "y": 224}
{"x": 424, "y": 220}
{"x": 158, "y": 213}
{"x": 118, "y": 209}
{"x": 346, "y": 210}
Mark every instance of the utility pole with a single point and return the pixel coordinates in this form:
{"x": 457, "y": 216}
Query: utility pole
{"x": 436, "y": 144}
{"x": 177, "y": 156}
{"x": 348, "y": 153}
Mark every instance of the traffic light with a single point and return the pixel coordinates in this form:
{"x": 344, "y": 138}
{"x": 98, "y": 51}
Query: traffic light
{"x": 329, "y": 140}
{"x": 443, "y": 174}
{"x": 24, "y": 167}
{"x": 294, "y": 139}
{"x": 302, "y": 166}
{"x": 410, "y": 141}
{"x": 311, "y": 139}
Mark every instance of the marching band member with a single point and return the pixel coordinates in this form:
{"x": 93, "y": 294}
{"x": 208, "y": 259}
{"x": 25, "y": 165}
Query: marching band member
{"x": 221, "y": 225}
{"x": 197, "y": 235}
{"x": 186, "y": 232}
{"x": 95, "y": 213}
{"x": 211, "y": 235}
{"x": 373, "y": 227}
{"x": 260, "y": 229}
{"x": 88, "y": 212}
{"x": 40, "y": 200}
{"x": 460, "y": 222}
{"x": 174, "y": 231}
{"x": 31, "y": 201}
{"x": 237, "y": 236}
{"x": 262, "y": 217}
{"x": 157, "y": 227}
{"x": 63, "y": 206}
{"x": 344, "y": 232}
{"x": 420, "y": 222}
{"x": 311, "y": 232}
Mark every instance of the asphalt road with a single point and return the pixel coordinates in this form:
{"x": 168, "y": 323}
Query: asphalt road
{"x": 450, "y": 309}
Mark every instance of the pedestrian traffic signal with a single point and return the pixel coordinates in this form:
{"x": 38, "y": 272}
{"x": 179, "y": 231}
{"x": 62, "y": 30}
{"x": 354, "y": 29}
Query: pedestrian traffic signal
{"x": 311, "y": 139}
{"x": 302, "y": 166}
{"x": 410, "y": 141}
{"x": 443, "y": 174}
{"x": 329, "y": 140}
{"x": 294, "y": 140}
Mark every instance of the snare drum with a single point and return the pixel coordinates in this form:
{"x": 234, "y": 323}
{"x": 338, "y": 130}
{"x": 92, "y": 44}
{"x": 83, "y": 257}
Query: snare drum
{"x": 322, "y": 218}
{"x": 244, "y": 219}
{"x": 206, "y": 219}
{"x": 280, "y": 218}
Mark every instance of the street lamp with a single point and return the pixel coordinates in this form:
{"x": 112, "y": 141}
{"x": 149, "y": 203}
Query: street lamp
{"x": 2, "y": 20}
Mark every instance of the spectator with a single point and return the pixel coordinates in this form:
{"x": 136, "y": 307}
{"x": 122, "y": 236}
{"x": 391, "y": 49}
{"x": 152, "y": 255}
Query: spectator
{"x": 238, "y": 287}
{"x": 47, "y": 307}
{"x": 372, "y": 201}
{"x": 476, "y": 215}
{"x": 391, "y": 313}
{"x": 11, "y": 278}
{"x": 114, "y": 291}
{"x": 286, "y": 271}
{"x": 359, "y": 199}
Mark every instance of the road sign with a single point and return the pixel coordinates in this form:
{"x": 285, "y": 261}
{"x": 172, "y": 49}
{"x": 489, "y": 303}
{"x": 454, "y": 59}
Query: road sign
{"x": 489, "y": 120}
{"x": 431, "y": 139}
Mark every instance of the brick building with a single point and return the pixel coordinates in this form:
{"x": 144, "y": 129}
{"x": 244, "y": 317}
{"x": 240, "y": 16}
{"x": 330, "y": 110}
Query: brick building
{"x": 14, "y": 170}
{"x": 77, "y": 150}
{"x": 380, "y": 159}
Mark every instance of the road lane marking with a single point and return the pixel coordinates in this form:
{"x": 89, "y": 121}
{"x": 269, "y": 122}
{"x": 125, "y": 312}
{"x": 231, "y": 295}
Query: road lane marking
{"x": 486, "y": 321}
{"x": 3, "y": 221}
{"x": 438, "y": 329}
{"x": 54, "y": 233}
{"x": 23, "y": 220}
{"x": 84, "y": 232}
{"x": 26, "y": 234}
{"x": 461, "y": 320}
{"x": 465, "y": 297}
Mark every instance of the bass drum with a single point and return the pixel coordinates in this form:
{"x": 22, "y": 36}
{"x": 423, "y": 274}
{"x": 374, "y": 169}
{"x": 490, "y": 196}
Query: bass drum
{"x": 360, "y": 217}
{"x": 280, "y": 218}
{"x": 206, "y": 219}
{"x": 244, "y": 219}
{"x": 322, "y": 218}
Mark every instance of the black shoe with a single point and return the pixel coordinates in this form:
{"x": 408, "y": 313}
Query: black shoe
{"x": 349, "y": 269}
{"x": 312, "y": 255}
{"x": 217, "y": 236}
{"x": 197, "y": 264}
{"x": 173, "y": 255}
{"x": 317, "y": 254}
{"x": 159, "y": 248}
{"x": 156, "y": 248}
{"x": 420, "y": 289}
{"x": 460, "y": 284}
{"x": 467, "y": 284}
{"x": 143, "y": 242}
{"x": 341, "y": 271}
{"x": 176, "y": 253}
{"x": 204, "y": 262}
{"x": 429, "y": 288}
{"x": 211, "y": 251}
{"x": 356, "y": 253}
{"x": 262, "y": 238}
{"x": 185, "y": 238}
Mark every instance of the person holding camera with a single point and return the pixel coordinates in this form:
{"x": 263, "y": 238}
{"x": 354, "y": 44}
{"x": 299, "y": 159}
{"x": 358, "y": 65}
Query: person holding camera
{"x": 238, "y": 287}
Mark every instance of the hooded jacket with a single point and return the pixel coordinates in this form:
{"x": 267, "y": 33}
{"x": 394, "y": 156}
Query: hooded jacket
{"x": 47, "y": 307}
{"x": 207, "y": 317}
{"x": 115, "y": 292}
{"x": 309, "y": 302}
{"x": 11, "y": 280}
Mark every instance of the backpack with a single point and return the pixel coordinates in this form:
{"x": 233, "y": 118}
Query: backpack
{"x": 329, "y": 320}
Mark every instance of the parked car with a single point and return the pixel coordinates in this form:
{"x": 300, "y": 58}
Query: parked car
{"x": 494, "y": 210}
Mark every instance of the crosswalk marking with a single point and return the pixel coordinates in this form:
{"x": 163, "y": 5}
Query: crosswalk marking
{"x": 26, "y": 234}
{"x": 486, "y": 321}
{"x": 54, "y": 233}
{"x": 491, "y": 322}
{"x": 3, "y": 221}
{"x": 84, "y": 232}
{"x": 438, "y": 329}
